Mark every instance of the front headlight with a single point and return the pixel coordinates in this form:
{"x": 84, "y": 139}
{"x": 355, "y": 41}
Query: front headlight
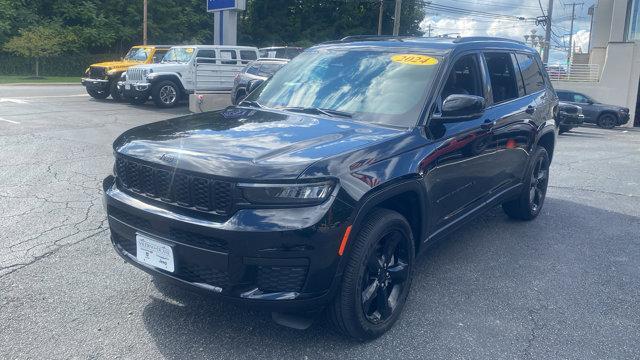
{"x": 287, "y": 194}
{"x": 112, "y": 72}
{"x": 123, "y": 76}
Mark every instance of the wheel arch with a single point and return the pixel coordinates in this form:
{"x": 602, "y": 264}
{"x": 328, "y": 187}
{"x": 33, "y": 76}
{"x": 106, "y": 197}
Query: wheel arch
{"x": 608, "y": 112}
{"x": 547, "y": 139}
{"x": 406, "y": 196}
{"x": 171, "y": 77}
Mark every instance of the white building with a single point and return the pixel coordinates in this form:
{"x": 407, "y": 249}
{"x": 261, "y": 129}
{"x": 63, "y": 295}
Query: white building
{"x": 615, "y": 52}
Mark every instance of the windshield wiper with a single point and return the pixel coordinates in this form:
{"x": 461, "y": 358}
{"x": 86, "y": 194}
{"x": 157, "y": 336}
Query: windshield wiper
{"x": 251, "y": 103}
{"x": 315, "y": 110}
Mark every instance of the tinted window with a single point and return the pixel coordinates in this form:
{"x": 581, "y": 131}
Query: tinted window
{"x": 247, "y": 55}
{"x": 210, "y": 54}
{"x": 579, "y": 98}
{"x": 464, "y": 78}
{"x": 228, "y": 54}
{"x": 531, "y": 74}
{"x": 502, "y": 76}
{"x": 267, "y": 70}
{"x": 565, "y": 96}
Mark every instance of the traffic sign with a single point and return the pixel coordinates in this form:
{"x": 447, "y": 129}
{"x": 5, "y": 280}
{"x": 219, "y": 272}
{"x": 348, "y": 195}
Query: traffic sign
{"x": 220, "y": 5}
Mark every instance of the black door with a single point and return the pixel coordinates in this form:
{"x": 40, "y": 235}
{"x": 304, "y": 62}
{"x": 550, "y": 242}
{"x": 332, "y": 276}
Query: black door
{"x": 458, "y": 171}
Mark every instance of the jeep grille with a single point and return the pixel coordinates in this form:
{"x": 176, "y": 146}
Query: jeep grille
{"x": 136, "y": 75}
{"x": 174, "y": 187}
{"x": 97, "y": 72}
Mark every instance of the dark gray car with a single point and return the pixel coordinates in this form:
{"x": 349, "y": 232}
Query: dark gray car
{"x": 260, "y": 69}
{"x": 603, "y": 115}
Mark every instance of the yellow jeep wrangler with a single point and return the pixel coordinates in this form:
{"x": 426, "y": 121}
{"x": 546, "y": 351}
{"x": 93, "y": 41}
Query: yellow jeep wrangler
{"x": 101, "y": 79}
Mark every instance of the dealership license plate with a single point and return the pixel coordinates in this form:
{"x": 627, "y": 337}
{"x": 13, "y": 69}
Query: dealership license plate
{"x": 154, "y": 253}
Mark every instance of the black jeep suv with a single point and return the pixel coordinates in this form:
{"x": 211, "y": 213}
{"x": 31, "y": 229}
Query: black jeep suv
{"x": 322, "y": 187}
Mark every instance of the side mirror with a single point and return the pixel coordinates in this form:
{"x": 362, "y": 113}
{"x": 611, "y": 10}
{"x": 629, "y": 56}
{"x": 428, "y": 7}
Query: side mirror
{"x": 253, "y": 84}
{"x": 459, "y": 106}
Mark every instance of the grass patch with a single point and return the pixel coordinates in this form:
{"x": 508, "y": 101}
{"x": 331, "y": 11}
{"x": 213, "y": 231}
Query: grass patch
{"x": 20, "y": 79}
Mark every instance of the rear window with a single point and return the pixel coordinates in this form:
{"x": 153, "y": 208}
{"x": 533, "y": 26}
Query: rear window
{"x": 531, "y": 73}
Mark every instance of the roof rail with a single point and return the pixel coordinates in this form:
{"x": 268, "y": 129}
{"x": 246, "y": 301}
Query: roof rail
{"x": 373, "y": 37}
{"x": 486, "y": 38}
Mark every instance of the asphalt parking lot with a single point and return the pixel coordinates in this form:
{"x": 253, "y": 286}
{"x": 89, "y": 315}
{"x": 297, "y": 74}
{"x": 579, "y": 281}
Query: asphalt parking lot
{"x": 565, "y": 286}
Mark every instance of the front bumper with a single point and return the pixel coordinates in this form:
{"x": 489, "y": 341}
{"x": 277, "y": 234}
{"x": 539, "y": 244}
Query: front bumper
{"x": 95, "y": 84}
{"x": 134, "y": 90}
{"x": 284, "y": 262}
{"x": 572, "y": 120}
{"x": 623, "y": 118}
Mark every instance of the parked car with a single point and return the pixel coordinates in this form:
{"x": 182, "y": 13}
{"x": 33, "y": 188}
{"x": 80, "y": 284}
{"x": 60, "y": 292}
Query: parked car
{"x": 260, "y": 69}
{"x": 569, "y": 116}
{"x": 185, "y": 69}
{"x": 280, "y": 52}
{"x": 101, "y": 79}
{"x": 334, "y": 175}
{"x": 605, "y": 116}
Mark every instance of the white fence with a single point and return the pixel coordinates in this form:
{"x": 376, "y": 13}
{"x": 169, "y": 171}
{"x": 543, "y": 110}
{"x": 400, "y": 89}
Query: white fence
{"x": 574, "y": 72}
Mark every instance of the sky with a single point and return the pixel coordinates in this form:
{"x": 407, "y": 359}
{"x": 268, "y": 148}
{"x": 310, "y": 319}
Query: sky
{"x": 445, "y": 22}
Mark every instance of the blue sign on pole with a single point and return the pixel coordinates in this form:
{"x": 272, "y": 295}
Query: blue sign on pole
{"x": 219, "y": 5}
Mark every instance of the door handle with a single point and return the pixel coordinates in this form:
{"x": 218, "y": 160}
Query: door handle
{"x": 530, "y": 109}
{"x": 487, "y": 125}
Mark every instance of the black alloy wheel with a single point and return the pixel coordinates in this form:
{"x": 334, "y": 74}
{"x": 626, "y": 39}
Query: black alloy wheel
{"x": 607, "y": 121}
{"x": 538, "y": 183}
{"x": 377, "y": 276}
{"x": 528, "y": 204}
{"x": 385, "y": 277}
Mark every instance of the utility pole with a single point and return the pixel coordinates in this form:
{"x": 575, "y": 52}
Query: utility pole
{"x": 429, "y": 29}
{"x": 573, "y": 18}
{"x": 144, "y": 22}
{"x": 380, "y": 15}
{"x": 547, "y": 35}
{"x": 396, "y": 18}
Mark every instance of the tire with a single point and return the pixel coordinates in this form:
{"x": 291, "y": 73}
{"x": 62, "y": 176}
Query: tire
{"x": 528, "y": 204}
{"x": 607, "y": 121}
{"x": 563, "y": 129}
{"x": 165, "y": 94}
{"x": 138, "y": 100}
{"x": 100, "y": 95}
{"x": 116, "y": 94}
{"x": 370, "y": 273}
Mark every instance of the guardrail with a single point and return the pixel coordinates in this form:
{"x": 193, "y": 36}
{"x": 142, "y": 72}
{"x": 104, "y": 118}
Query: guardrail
{"x": 574, "y": 72}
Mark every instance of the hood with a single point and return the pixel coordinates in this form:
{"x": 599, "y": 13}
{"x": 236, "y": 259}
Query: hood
{"x": 248, "y": 143}
{"x": 116, "y": 64}
{"x": 163, "y": 67}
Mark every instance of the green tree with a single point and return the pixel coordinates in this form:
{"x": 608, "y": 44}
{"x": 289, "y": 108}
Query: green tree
{"x": 41, "y": 42}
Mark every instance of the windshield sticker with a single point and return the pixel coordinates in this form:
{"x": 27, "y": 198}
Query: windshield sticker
{"x": 414, "y": 59}
{"x": 188, "y": 50}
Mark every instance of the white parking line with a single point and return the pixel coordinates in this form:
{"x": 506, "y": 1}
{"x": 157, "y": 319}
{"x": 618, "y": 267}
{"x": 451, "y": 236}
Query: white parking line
{"x": 42, "y": 97}
{"x": 9, "y": 121}
{"x": 13, "y": 100}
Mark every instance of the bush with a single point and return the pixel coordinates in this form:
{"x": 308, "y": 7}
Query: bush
{"x": 66, "y": 65}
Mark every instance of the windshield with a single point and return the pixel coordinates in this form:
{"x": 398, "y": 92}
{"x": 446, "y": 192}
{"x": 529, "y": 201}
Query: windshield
{"x": 371, "y": 85}
{"x": 180, "y": 55}
{"x": 137, "y": 54}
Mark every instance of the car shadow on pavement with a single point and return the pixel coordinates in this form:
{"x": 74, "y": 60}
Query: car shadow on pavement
{"x": 579, "y": 134}
{"x": 492, "y": 288}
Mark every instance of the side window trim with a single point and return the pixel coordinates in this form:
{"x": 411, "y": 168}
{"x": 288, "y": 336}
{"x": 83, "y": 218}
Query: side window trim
{"x": 542, "y": 73}
{"x": 522, "y": 91}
